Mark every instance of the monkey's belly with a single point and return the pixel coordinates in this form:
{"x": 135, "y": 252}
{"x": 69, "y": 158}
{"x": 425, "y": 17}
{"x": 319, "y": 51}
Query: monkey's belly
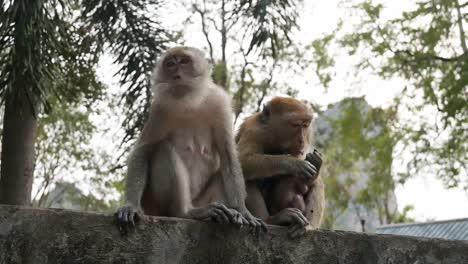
{"x": 195, "y": 148}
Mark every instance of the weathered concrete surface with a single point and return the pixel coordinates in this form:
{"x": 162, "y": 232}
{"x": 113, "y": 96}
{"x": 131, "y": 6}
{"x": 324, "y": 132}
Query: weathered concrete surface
{"x": 57, "y": 236}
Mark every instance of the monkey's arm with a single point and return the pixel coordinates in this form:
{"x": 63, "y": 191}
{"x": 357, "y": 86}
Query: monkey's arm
{"x": 315, "y": 203}
{"x": 255, "y": 201}
{"x": 231, "y": 171}
{"x": 137, "y": 174}
{"x": 155, "y": 130}
{"x": 259, "y": 166}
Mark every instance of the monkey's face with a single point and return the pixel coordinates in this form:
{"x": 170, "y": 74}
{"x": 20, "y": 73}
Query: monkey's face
{"x": 292, "y": 132}
{"x": 288, "y": 124}
{"x": 183, "y": 67}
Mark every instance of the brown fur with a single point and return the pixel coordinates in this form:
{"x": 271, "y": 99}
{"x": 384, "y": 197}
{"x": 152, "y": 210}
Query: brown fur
{"x": 270, "y": 144}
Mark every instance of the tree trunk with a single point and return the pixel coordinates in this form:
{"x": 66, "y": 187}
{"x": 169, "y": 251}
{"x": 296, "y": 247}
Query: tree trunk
{"x": 19, "y": 135}
{"x": 224, "y": 81}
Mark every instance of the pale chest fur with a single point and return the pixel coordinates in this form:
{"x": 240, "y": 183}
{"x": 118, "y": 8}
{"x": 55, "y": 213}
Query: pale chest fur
{"x": 193, "y": 140}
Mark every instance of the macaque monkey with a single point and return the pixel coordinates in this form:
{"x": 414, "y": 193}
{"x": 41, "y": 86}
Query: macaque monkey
{"x": 184, "y": 163}
{"x": 283, "y": 185}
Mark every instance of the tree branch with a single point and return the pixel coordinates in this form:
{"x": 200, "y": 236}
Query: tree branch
{"x": 463, "y": 5}
{"x": 266, "y": 84}
{"x": 204, "y": 27}
{"x": 214, "y": 23}
{"x": 460, "y": 27}
{"x": 431, "y": 56}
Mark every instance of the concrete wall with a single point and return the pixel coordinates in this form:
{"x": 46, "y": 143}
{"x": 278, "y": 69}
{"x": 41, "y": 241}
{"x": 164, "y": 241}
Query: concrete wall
{"x": 58, "y": 236}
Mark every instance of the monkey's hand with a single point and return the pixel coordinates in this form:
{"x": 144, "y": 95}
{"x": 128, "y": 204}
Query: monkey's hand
{"x": 252, "y": 220}
{"x": 315, "y": 158}
{"x": 293, "y": 218}
{"x": 302, "y": 168}
{"x": 218, "y": 213}
{"x": 127, "y": 216}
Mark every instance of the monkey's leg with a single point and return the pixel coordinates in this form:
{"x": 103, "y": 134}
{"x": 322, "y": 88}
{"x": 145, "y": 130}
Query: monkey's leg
{"x": 315, "y": 203}
{"x": 136, "y": 183}
{"x": 314, "y": 206}
{"x": 170, "y": 182}
{"x": 255, "y": 201}
{"x": 214, "y": 194}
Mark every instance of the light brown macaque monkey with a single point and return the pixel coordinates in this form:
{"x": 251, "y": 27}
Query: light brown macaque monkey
{"x": 184, "y": 163}
{"x": 283, "y": 184}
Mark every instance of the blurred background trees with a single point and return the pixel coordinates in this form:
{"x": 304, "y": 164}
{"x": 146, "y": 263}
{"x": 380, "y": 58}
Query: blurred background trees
{"x": 74, "y": 83}
{"x": 427, "y": 47}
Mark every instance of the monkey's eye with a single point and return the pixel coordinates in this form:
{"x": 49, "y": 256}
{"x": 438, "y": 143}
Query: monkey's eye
{"x": 184, "y": 60}
{"x": 170, "y": 64}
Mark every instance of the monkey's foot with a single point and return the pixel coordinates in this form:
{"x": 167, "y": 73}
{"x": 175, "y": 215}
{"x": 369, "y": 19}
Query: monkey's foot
{"x": 218, "y": 213}
{"x": 126, "y": 217}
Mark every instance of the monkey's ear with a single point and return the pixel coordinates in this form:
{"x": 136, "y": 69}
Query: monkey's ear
{"x": 265, "y": 114}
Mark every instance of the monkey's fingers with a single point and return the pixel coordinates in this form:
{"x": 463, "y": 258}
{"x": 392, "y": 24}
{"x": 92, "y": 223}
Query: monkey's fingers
{"x": 122, "y": 221}
{"x": 240, "y": 219}
{"x": 310, "y": 170}
{"x": 223, "y": 208}
{"x": 315, "y": 158}
{"x": 298, "y": 217}
{"x": 304, "y": 220}
{"x": 263, "y": 225}
{"x": 216, "y": 218}
{"x": 253, "y": 221}
{"x": 220, "y": 216}
{"x": 243, "y": 220}
{"x": 296, "y": 231}
{"x": 118, "y": 217}
{"x": 234, "y": 216}
{"x": 256, "y": 222}
{"x": 311, "y": 158}
{"x": 132, "y": 218}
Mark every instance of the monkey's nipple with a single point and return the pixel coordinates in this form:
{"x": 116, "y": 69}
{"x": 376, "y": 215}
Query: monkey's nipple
{"x": 176, "y": 77}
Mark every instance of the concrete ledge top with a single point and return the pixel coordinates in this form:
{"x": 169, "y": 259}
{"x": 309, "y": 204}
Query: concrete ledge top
{"x": 59, "y": 236}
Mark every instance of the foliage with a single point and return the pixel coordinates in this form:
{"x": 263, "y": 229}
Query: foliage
{"x": 36, "y": 47}
{"x": 67, "y": 161}
{"x": 129, "y": 30}
{"x": 269, "y": 23}
{"x": 427, "y": 47}
{"x": 249, "y": 44}
{"x": 358, "y": 141}
{"x": 48, "y": 54}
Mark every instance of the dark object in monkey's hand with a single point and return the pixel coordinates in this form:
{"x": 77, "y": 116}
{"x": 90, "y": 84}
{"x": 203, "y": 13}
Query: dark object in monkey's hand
{"x": 316, "y": 159}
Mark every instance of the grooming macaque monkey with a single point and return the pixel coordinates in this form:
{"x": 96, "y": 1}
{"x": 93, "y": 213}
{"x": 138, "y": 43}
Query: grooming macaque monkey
{"x": 184, "y": 163}
{"x": 283, "y": 185}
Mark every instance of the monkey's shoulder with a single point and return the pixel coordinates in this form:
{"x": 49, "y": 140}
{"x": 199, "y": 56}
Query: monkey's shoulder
{"x": 217, "y": 101}
{"x": 218, "y": 94}
{"x": 251, "y": 127}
